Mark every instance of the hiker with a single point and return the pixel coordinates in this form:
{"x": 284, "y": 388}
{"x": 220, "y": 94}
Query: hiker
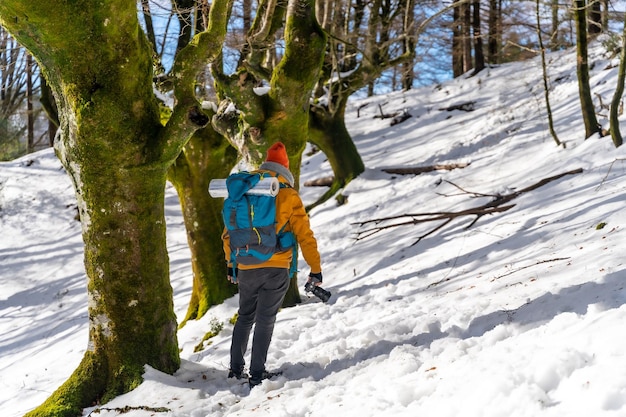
{"x": 262, "y": 287}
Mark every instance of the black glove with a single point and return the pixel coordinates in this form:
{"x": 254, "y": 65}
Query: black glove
{"x": 315, "y": 278}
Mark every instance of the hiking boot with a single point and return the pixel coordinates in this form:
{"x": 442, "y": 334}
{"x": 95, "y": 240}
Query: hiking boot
{"x": 238, "y": 374}
{"x": 256, "y": 378}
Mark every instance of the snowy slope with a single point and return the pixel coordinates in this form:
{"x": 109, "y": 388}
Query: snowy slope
{"x": 519, "y": 315}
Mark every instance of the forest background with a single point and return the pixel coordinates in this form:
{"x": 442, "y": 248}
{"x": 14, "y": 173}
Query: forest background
{"x": 447, "y": 39}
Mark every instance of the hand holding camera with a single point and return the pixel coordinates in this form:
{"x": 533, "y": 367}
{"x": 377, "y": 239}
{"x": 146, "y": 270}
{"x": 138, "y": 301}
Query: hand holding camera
{"x": 313, "y": 286}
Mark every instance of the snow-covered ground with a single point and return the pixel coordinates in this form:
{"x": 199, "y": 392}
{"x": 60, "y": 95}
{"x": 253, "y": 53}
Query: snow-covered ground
{"x": 522, "y": 314}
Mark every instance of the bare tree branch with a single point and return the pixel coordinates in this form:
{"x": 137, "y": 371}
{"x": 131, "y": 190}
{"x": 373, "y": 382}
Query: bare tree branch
{"x": 320, "y": 182}
{"x": 421, "y": 170}
{"x": 497, "y": 205}
{"x": 513, "y": 271}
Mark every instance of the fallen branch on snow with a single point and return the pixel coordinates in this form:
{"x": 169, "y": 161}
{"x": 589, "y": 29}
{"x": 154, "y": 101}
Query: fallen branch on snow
{"x": 467, "y": 106}
{"x": 320, "y": 182}
{"x": 528, "y": 266}
{"x": 128, "y": 408}
{"x": 421, "y": 170}
{"x": 497, "y": 205}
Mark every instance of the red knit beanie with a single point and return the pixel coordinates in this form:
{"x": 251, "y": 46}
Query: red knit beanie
{"x": 277, "y": 153}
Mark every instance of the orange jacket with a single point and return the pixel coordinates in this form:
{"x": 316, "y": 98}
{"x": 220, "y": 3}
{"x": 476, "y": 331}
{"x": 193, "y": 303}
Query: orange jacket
{"x": 289, "y": 211}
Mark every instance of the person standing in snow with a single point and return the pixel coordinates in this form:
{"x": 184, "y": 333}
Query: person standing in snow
{"x": 262, "y": 287}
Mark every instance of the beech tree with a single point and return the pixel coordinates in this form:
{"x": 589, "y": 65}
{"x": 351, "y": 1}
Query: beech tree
{"x": 252, "y": 119}
{"x": 247, "y": 122}
{"x": 112, "y": 143}
{"x": 206, "y": 155}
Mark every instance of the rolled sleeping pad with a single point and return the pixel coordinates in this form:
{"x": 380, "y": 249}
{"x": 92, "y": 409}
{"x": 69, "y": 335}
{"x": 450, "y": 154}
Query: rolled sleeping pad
{"x": 266, "y": 186}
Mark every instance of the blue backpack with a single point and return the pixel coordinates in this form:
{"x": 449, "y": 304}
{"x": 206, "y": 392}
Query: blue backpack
{"x": 251, "y": 222}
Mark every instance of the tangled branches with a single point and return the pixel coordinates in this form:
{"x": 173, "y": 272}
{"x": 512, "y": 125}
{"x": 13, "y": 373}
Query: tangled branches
{"x": 498, "y": 204}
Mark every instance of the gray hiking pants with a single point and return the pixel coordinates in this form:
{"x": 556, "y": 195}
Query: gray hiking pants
{"x": 261, "y": 293}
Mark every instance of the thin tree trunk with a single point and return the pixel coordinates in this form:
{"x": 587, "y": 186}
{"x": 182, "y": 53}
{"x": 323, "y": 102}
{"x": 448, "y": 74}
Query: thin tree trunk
{"x": 555, "y": 38}
{"x": 457, "y": 41}
{"x": 147, "y": 16}
{"x": 493, "y": 47}
{"x": 29, "y": 103}
{"x": 49, "y": 105}
{"x": 479, "y": 57}
{"x": 582, "y": 70}
{"x": 605, "y": 15}
{"x": 466, "y": 32}
{"x": 48, "y": 102}
{"x": 617, "y": 103}
{"x": 546, "y": 88}
{"x": 407, "y": 73}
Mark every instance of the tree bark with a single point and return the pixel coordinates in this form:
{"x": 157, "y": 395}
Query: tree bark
{"x": 617, "y": 101}
{"x": 595, "y": 17}
{"x": 457, "y": 40}
{"x": 495, "y": 28}
{"x": 117, "y": 153}
{"x": 555, "y": 40}
{"x": 206, "y": 156}
{"x": 582, "y": 70}
{"x": 466, "y": 33}
{"x": 29, "y": 104}
{"x": 328, "y": 131}
{"x": 409, "y": 45}
{"x": 479, "y": 56}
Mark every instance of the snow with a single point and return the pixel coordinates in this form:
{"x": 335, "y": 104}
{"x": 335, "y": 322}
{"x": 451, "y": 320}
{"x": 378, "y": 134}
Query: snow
{"x": 517, "y": 315}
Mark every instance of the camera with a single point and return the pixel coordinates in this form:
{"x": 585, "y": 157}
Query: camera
{"x": 319, "y": 292}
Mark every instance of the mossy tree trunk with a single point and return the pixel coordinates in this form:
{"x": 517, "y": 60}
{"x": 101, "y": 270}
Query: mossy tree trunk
{"x": 282, "y": 114}
{"x": 206, "y": 156}
{"x": 98, "y": 64}
{"x": 328, "y": 131}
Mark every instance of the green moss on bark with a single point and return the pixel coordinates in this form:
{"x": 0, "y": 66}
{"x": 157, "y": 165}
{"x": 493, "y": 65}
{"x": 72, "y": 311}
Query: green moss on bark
{"x": 328, "y": 131}
{"x": 205, "y": 157}
{"x": 113, "y": 145}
